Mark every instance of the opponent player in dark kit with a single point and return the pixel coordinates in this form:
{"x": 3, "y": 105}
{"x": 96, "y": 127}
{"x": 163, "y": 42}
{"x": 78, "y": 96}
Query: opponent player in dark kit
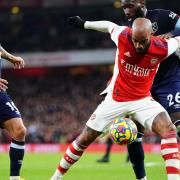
{"x": 10, "y": 119}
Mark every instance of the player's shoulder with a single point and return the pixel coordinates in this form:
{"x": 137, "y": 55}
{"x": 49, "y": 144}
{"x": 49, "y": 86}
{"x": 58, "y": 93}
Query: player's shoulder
{"x": 126, "y": 31}
{"x": 125, "y": 34}
{"x": 159, "y": 46}
{"x": 159, "y": 42}
{"x": 121, "y": 30}
{"x": 162, "y": 13}
{"x": 157, "y": 11}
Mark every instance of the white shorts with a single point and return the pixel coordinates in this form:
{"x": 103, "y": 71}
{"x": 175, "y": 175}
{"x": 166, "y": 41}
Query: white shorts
{"x": 144, "y": 111}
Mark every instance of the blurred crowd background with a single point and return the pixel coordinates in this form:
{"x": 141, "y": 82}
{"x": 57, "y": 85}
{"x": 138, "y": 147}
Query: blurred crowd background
{"x": 55, "y": 102}
{"x": 42, "y": 25}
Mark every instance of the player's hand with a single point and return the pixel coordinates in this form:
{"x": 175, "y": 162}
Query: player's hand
{"x": 166, "y": 35}
{"x": 18, "y": 62}
{"x": 3, "y": 84}
{"x": 76, "y": 21}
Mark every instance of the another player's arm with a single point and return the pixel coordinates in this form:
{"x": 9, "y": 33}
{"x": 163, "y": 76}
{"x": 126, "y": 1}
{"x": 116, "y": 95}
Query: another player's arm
{"x": 175, "y": 32}
{"x": 173, "y": 45}
{"x": 101, "y": 26}
{"x": 17, "y": 61}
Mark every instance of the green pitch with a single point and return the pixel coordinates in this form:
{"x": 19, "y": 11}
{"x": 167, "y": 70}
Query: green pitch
{"x": 42, "y": 166}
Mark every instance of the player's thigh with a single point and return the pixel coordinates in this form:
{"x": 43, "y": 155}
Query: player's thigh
{"x": 108, "y": 110}
{"x": 145, "y": 111}
{"x": 14, "y": 125}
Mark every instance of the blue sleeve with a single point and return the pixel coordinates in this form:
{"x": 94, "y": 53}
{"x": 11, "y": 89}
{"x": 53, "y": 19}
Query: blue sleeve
{"x": 176, "y": 31}
{"x": 169, "y": 17}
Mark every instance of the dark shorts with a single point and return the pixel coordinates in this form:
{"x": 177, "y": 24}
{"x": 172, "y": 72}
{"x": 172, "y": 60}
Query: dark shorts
{"x": 168, "y": 95}
{"x": 8, "y": 110}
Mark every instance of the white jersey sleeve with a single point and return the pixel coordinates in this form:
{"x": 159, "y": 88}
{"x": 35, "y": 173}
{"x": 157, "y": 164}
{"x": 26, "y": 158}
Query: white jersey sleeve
{"x": 102, "y": 26}
{"x": 106, "y": 27}
{"x": 173, "y": 44}
{"x": 115, "y": 33}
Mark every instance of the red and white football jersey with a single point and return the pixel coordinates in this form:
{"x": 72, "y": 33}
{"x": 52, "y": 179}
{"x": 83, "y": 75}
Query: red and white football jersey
{"x": 134, "y": 72}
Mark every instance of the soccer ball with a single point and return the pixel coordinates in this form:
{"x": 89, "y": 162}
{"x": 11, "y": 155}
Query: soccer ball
{"x": 123, "y": 131}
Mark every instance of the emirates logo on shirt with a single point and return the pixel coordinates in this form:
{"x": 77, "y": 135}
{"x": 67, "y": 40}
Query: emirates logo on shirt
{"x": 135, "y": 69}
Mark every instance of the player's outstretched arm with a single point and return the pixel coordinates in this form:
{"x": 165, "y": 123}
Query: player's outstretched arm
{"x": 76, "y": 21}
{"x": 102, "y": 26}
{"x": 18, "y": 62}
{"x": 173, "y": 33}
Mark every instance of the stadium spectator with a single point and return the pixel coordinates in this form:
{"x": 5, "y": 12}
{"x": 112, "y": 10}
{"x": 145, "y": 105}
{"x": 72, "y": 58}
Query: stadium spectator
{"x": 40, "y": 105}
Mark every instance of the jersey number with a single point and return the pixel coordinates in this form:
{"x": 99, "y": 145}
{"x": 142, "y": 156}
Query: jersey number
{"x": 13, "y": 107}
{"x": 172, "y": 99}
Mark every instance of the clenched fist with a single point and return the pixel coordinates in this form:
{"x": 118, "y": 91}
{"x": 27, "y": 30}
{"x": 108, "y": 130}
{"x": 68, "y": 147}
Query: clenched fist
{"x": 76, "y": 21}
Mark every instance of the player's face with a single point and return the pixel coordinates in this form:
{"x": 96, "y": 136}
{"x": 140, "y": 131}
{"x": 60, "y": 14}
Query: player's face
{"x": 132, "y": 9}
{"x": 141, "y": 42}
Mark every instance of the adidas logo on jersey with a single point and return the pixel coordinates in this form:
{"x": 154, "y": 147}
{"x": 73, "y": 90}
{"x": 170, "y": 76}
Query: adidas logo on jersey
{"x": 135, "y": 69}
{"x": 127, "y": 54}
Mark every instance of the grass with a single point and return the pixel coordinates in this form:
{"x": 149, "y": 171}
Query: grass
{"x": 42, "y": 166}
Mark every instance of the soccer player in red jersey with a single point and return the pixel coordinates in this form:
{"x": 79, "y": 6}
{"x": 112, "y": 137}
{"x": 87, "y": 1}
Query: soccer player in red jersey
{"x": 137, "y": 59}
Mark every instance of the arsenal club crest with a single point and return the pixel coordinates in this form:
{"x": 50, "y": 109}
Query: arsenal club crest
{"x": 154, "y": 61}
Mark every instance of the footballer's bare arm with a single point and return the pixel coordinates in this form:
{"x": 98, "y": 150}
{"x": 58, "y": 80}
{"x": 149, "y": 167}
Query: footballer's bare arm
{"x": 17, "y": 61}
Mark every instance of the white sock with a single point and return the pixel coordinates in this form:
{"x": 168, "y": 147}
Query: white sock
{"x": 174, "y": 177}
{"x": 143, "y": 178}
{"x": 14, "y": 177}
{"x": 57, "y": 175}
